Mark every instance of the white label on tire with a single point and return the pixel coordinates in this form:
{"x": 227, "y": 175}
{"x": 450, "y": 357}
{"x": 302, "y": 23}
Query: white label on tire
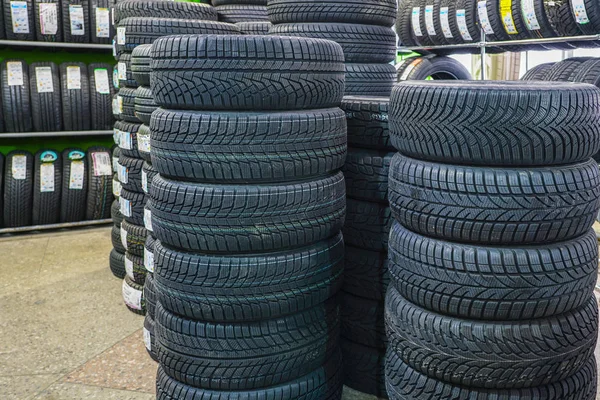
{"x": 116, "y": 139}
{"x": 483, "y": 17}
{"x": 148, "y": 219}
{"x": 123, "y": 174}
{"x": 18, "y": 14}
{"x": 461, "y": 22}
{"x": 114, "y": 48}
{"x": 101, "y": 79}
{"x": 77, "y": 19}
{"x": 410, "y": 67}
{"x": 149, "y": 260}
{"x": 126, "y": 140}
{"x": 123, "y": 237}
{"x": 15, "y": 73}
{"x": 581, "y": 16}
{"x": 19, "y": 167}
{"x": 122, "y": 68}
{"x": 102, "y": 22}
{"x": 125, "y": 206}
{"x": 121, "y": 35}
{"x": 132, "y": 297}
{"x": 43, "y": 79}
{"x": 115, "y": 107}
{"x": 147, "y": 339}
{"x": 46, "y": 177}
{"x": 143, "y": 142}
{"x": 416, "y": 21}
{"x": 429, "y": 20}
{"x": 101, "y": 164}
{"x": 120, "y": 104}
{"x": 76, "y": 175}
{"x": 528, "y": 11}
{"x": 507, "y": 18}
{"x": 117, "y": 188}
{"x": 144, "y": 181}
{"x": 73, "y": 77}
{"x": 48, "y": 18}
{"x": 445, "y": 23}
{"x": 129, "y": 267}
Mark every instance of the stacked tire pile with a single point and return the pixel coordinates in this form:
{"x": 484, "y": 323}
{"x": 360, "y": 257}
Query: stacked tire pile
{"x": 575, "y": 69}
{"x": 51, "y": 187}
{"x": 249, "y": 15}
{"x": 366, "y": 232}
{"x": 247, "y": 209}
{"x": 363, "y": 29}
{"x": 491, "y": 258}
{"x": 431, "y": 67}
{"x": 44, "y": 97}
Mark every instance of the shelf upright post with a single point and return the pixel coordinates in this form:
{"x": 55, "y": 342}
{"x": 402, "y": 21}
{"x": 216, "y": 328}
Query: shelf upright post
{"x": 482, "y": 52}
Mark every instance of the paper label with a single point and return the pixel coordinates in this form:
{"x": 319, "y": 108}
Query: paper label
{"x": 121, "y": 35}
{"x": 429, "y": 20}
{"x": 581, "y": 16}
{"x": 445, "y": 23}
{"x": 483, "y": 17}
{"x": 43, "y": 78}
{"x": 122, "y": 71}
{"x": 115, "y": 160}
{"x": 46, "y": 177}
{"x": 48, "y": 18}
{"x": 76, "y": 176}
{"x": 148, "y": 219}
{"x": 18, "y": 14}
{"x": 123, "y": 237}
{"x": 144, "y": 181}
{"x": 123, "y": 174}
{"x": 19, "y": 167}
{"x": 15, "y": 73}
{"x": 125, "y": 206}
{"x": 77, "y": 20}
{"x": 114, "y": 48}
{"x": 73, "y": 77}
{"x": 120, "y": 104}
{"x": 102, "y": 22}
{"x": 126, "y": 140}
{"x": 507, "y": 19}
{"x": 116, "y": 77}
{"x": 148, "y": 260}
{"x": 528, "y": 11}
{"x": 416, "y": 21}
{"x": 116, "y": 139}
{"x": 132, "y": 297}
{"x": 117, "y": 188}
{"x": 101, "y": 79}
{"x": 129, "y": 267}
{"x": 101, "y": 164}
{"x": 410, "y": 67}
{"x": 115, "y": 107}
{"x": 461, "y": 22}
{"x": 143, "y": 142}
{"x": 147, "y": 339}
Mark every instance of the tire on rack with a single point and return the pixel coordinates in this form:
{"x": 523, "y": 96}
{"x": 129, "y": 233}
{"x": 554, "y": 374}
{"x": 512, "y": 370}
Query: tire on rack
{"x": 48, "y": 34}
{"x": 149, "y": 338}
{"x": 46, "y": 104}
{"x": 96, "y": 26}
{"x": 16, "y": 103}
{"x": 314, "y": 75}
{"x": 436, "y": 68}
{"x": 132, "y": 206}
{"x": 18, "y": 189}
{"x": 588, "y": 72}
{"x": 309, "y": 144}
{"x": 126, "y": 100}
{"x": 134, "y": 266}
{"x": 365, "y": 273}
{"x": 74, "y": 185}
{"x": 134, "y": 236}
{"x": 140, "y": 62}
{"x": 73, "y": 29}
{"x": 234, "y": 13}
{"x": 588, "y": 21}
{"x": 565, "y": 70}
{"x": 367, "y": 121}
{"x": 366, "y": 173}
{"x": 99, "y": 197}
{"x": 75, "y": 93}
{"x": 446, "y": 22}
{"x": 364, "y": 368}
{"x": 128, "y": 145}
{"x": 404, "y": 24}
{"x": 117, "y": 263}
{"x": 433, "y": 28}
{"x": 369, "y": 79}
{"x": 133, "y": 296}
{"x": 367, "y": 224}
{"x": 125, "y": 75}
{"x": 23, "y": 32}
{"x": 144, "y": 104}
{"x": 254, "y": 27}
{"x": 227, "y": 2}
{"x": 537, "y": 73}
{"x": 101, "y": 96}
{"x": 155, "y": 9}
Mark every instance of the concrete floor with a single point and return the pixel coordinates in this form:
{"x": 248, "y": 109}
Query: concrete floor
{"x": 65, "y": 333}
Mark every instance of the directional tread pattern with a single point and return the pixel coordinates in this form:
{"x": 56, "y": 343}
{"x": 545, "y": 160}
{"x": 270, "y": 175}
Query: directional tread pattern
{"x": 100, "y": 196}
{"x": 129, "y": 81}
{"x": 138, "y": 272}
{"x": 75, "y": 102}
{"x": 127, "y": 96}
{"x": 364, "y": 368}
{"x": 369, "y": 79}
{"x": 362, "y": 321}
{"x": 366, "y": 173}
{"x": 174, "y": 9}
{"x": 136, "y": 238}
{"x": 367, "y": 119}
{"x": 73, "y": 200}
{"x": 140, "y": 62}
{"x": 133, "y": 166}
{"x": 117, "y": 263}
{"x": 144, "y": 104}
{"x": 46, "y": 106}
{"x": 366, "y": 273}
{"x": 137, "y": 200}
{"x": 234, "y": 13}
{"x": 128, "y": 145}
{"x": 254, "y": 27}
{"x": 367, "y": 224}
{"x": 18, "y": 193}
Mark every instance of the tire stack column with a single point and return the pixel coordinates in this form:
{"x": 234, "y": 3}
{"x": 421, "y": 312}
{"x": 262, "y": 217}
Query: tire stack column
{"x": 249, "y": 15}
{"x": 247, "y": 209}
{"x": 492, "y": 258}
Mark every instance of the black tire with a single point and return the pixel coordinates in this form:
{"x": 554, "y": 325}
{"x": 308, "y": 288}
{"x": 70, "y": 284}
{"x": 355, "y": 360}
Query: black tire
{"x": 98, "y": 32}
{"x": 537, "y": 73}
{"x": 436, "y": 68}
{"x": 314, "y": 75}
{"x": 366, "y": 273}
{"x": 226, "y": 2}
{"x": 491, "y": 355}
{"x": 588, "y": 72}
{"x": 185, "y": 145}
{"x": 360, "y": 43}
{"x": 525, "y": 283}
{"x": 125, "y": 75}
{"x": 50, "y": 14}
{"x": 562, "y": 21}
{"x": 75, "y": 95}
{"x": 589, "y": 23}
{"x": 132, "y": 206}
{"x": 24, "y": 32}
{"x": 73, "y": 30}
{"x": 73, "y": 200}
{"x": 287, "y": 215}
{"x": 369, "y": 79}
{"x": 99, "y": 197}
{"x": 367, "y": 224}
{"x": 149, "y": 338}
{"x": 150, "y": 296}
{"x": 539, "y": 26}
{"x": 128, "y": 142}
{"x": 130, "y": 173}
{"x": 366, "y": 173}
{"x": 364, "y": 368}
{"x": 115, "y": 237}
{"x": 144, "y": 104}
{"x": 117, "y": 263}
{"x": 518, "y": 29}
{"x": 446, "y": 22}
{"x": 234, "y": 13}
{"x": 148, "y": 174}
{"x": 369, "y": 12}
{"x": 134, "y": 266}
{"x": 126, "y": 100}
{"x": 494, "y": 30}
{"x": 151, "y": 8}
{"x": 544, "y": 204}
{"x": 419, "y": 31}
{"x": 101, "y": 97}
{"x": 246, "y": 287}
{"x": 279, "y": 350}
{"x": 16, "y": 104}
{"x": 433, "y": 27}
{"x": 143, "y": 142}
{"x": 140, "y": 63}
{"x": 472, "y": 25}
{"x": 403, "y": 382}
{"x": 18, "y": 189}
{"x": 362, "y": 320}
{"x": 565, "y": 70}
{"x": 367, "y": 120}
{"x": 404, "y": 23}
{"x": 115, "y": 213}
{"x": 254, "y": 27}
{"x": 149, "y": 250}
{"x": 46, "y": 104}
{"x": 134, "y": 238}
{"x": 133, "y": 296}
{"x": 325, "y": 383}
{"x": 519, "y": 125}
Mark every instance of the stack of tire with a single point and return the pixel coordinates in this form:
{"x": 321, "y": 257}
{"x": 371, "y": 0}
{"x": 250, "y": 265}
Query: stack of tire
{"x": 363, "y": 29}
{"x": 247, "y": 209}
{"x": 431, "y": 67}
{"x": 249, "y": 15}
{"x": 366, "y": 231}
{"x": 491, "y": 258}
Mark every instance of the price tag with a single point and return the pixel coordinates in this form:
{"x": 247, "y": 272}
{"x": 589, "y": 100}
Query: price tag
{"x": 43, "y": 78}
{"x": 132, "y": 297}
{"x": 19, "y": 167}
{"x": 123, "y": 174}
{"x": 76, "y": 176}
{"x": 48, "y": 18}
{"x": 581, "y": 16}
{"x": 148, "y": 219}
{"x": 148, "y": 260}
{"x": 19, "y": 16}
{"x": 15, "y": 73}
{"x": 143, "y": 142}
{"x": 129, "y": 267}
{"x": 483, "y": 17}
{"x": 73, "y": 77}
{"x": 46, "y": 177}
{"x": 117, "y": 188}
{"x": 123, "y": 237}
{"x": 528, "y": 10}
{"x": 144, "y": 181}
{"x": 461, "y": 22}
{"x": 102, "y": 22}
{"x": 416, "y": 21}
{"x": 429, "y": 20}
{"x": 126, "y": 140}
{"x": 121, "y": 35}
{"x": 101, "y": 164}
{"x": 77, "y": 20}
{"x": 444, "y": 21}
{"x": 125, "y": 206}
{"x": 101, "y": 79}
{"x": 122, "y": 68}
{"x": 147, "y": 339}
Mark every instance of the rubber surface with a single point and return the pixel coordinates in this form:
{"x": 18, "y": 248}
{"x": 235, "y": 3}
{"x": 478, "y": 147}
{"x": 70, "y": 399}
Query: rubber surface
{"x": 117, "y": 263}
{"x": 366, "y": 173}
{"x": 72, "y": 30}
{"x": 48, "y": 35}
{"x": 362, "y": 320}
{"x": 144, "y": 104}
{"x": 16, "y": 103}
{"x": 74, "y": 187}
{"x": 26, "y": 33}
{"x": 365, "y": 273}
{"x": 94, "y": 28}
{"x": 99, "y": 197}
{"x": 364, "y": 368}
{"x": 367, "y": 224}
{"x": 150, "y": 8}
{"x": 18, "y": 193}
{"x": 101, "y": 103}
{"x": 135, "y": 237}
{"x": 46, "y": 104}
{"x": 369, "y": 79}
{"x": 367, "y": 120}
{"x": 75, "y": 98}
{"x": 254, "y": 27}
{"x": 234, "y": 13}
{"x": 140, "y": 63}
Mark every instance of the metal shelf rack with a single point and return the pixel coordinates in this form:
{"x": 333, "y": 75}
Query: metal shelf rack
{"x": 56, "y": 45}
{"x": 23, "y": 229}
{"x": 53, "y": 134}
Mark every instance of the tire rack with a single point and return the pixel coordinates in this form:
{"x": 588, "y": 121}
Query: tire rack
{"x": 483, "y": 44}
{"x": 56, "y": 45}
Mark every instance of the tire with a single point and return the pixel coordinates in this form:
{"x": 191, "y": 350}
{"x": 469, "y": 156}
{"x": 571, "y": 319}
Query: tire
{"x": 419, "y": 32}
{"x": 149, "y": 250}
{"x": 446, "y": 22}
{"x": 369, "y": 12}
{"x": 47, "y": 188}
{"x": 369, "y": 79}
{"x": 134, "y": 266}
{"x": 152, "y": 9}
{"x": 126, "y": 99}
{"x": 366, "y": 173}
{"x": 133, "y": 296}
{"x": 115, "y": 212}
{"x": 74, "y": 186}
{"x": 149, "y": 338}
{"x": 539, "y": 26}
{"x": 150, "y": 296}
{"x": 186, "y": 146}
{"x": 16, "y": 103}
{"x": 518, "y": 30}
{"x": 436, "y": 68}
{"x": 367, "y": 224}
{"x": 493, "y": 283}
{"x": 491, "y": 355}
{"x": 128, "y": 142}
{"x": 325, "y": 383}
{"x": 100, "y": 97}
{"x": 46, "y": 104}
{"x": 116, "y": 186}
{"x": 280, "y": 350}
{"x": 565, "y": 70}
{"x": 403, "y": 382}
{"x": 135, "y": 238}
{"x": 314, "y": 73}
{"x": 130, "y": 173}
{"x": 366, "y": 273}
{"x": 362, "y": 321}
{"x": 360, "y": 43}
{"x": 364, "y": 368}
{"x": 433, "y": 27}
{"x": 44, "y": 31}
{"x": 117, "y": 264}
{"x": 520, "y": 125}
{"x": 100, "y": 197}
{"x": 96, "y": 25}
{"x": 115, "y": 237}
{"x": 367, "y": 120}
{"x": 144, "y": 104}
{"x": 287, "y": 216}
{"x": 472, "y": 25}
{"x": 73, "y": 31}
{"x": 254, "y": 27}
{"x": 227, "y": 2}
{"x": 143, "y": 142}
{"x": 537, "y": 73}
{"x": 404, "y": 23}
{"x": 588, "y": 72}
{"x": 148, "y": 174}
{"x": 245, "y": 287}
{"x": 23, "y": 32}
{"x": 18, "y": 189}
{"x": 75, "y": 95}
{"x": 235, "y": 13}
{"x": 544, "y": 204}
{"x": 125, "y": 74}
{"x": 590, "y": 24}
{"x": 132, "y": 206}
{"x": 494, "y": 30}
{"x": 140, "y": 61}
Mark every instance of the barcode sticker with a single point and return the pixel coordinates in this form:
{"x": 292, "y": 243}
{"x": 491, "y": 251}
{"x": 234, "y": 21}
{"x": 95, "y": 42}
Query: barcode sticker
{"x": 149, "y": 260}
{"x": 148, "y": 219}
{"x": 101, "y": 79}
{"x": 19, "y": 167}
{"x": 123, "y": 237}
{"x": 46, "y": 177}
{"x": 101, "y": 164}
{"x": 48, "y": 18}
{"x": 416, "y": 21}
{"x": 43, "y": 78}
{"x": 73, "y": 77}
{"x": 132, "y": 297}
{"x": 19, "y": 16}
{"x": 15, "y": 73}
{"x": 125, "y": 206}
{"x": 102, "y": 22}
{"x": 76, "y": 175}
{"x": 77, "y": 19}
